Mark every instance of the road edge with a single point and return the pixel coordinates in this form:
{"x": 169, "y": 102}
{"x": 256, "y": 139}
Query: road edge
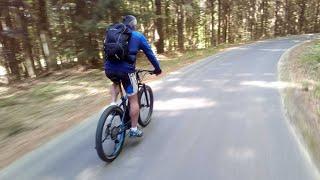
{"x": 282, "y": 70}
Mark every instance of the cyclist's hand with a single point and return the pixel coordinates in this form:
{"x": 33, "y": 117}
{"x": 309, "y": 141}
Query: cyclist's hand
{"x": 157, "y": 71}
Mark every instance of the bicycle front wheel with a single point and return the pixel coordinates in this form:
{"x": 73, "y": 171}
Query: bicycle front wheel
{"x": 146, "y": 105}
{"x": 110, "y": 134}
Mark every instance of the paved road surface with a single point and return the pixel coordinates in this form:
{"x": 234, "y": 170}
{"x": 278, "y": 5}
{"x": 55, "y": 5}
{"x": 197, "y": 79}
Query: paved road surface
{"x": 219, "y": 119}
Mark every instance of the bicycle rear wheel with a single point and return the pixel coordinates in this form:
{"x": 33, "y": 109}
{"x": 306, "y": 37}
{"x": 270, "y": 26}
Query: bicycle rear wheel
{"x": 110, "y": 134}
{"x": 146, "y": 105}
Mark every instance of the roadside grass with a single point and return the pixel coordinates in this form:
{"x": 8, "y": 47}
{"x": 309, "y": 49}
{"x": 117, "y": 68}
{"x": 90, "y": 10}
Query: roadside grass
{"x": 310, "y": 139}
{"x": 311, "y": 56}
{"x": 45, "y": 100}
{"x": 302, "y": 67}
{"x": 317, "y": 91}
{"x": 9, "y": 101}
{"x": 310, "y": 62}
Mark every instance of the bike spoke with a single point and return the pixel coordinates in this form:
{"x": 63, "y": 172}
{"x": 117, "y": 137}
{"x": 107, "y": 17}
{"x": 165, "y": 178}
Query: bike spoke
{"x": 113, "y": 115}
{"x": 108, "y": 127}
{"x": 108, "y": 137}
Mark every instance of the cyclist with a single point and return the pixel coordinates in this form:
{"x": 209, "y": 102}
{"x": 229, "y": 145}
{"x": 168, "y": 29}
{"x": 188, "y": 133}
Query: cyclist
{"x": 125, "y": 71}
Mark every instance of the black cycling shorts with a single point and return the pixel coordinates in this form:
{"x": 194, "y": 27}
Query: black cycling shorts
{"x": 128, "y": 80}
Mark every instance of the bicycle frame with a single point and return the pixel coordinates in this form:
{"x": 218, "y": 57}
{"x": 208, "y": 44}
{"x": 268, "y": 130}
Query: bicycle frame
{"x": 107, "y": 128}
{"x": 124, "y": 99}
{"x": 142, "y": 85}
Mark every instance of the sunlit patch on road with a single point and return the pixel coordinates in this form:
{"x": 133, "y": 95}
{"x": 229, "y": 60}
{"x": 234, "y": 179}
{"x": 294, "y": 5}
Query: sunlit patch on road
{"x": 273, "y": 50}
{"x": 183, "y": 89}
{"x": 244, "y": 74}
{"x": 183, "y": 103}
{"x": 241, "y": 153}
{"x": 268, "y": 74}
{"x": 155, "y": 83}
{"x": 265, "y": 84}
{"x": 89, "y": 173}
{"x": 226, "y": 64}
{"x": 238, "y": 48}
{"x": 176, "y": 72}
{"x": 174, "y": 79}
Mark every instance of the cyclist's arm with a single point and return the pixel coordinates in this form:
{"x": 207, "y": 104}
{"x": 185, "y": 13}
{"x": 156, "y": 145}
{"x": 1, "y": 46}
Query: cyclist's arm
{"x": 144, "y": 45}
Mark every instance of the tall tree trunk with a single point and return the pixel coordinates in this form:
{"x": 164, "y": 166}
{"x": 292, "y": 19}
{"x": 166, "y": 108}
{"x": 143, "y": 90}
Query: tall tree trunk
{"x": 195, "y": 36}
{"x": 9, "y": 43}
{"x": 266, "y": 17}
{"x": 27, "y": 47}
{"x": 114, "y": 10}
{"x": 212, "y": 39}
{"x": 9, "y": 49}
{"x": 262, "y": 18}
{"x": 45, "y": 35}
{"x": 288, "y": 17}
{"x": 225, "y": 29}
{"x": 206, "y": 35}
{"x": 302, "y": 19}
{"x": 168, "y": 28}
{"x": 230, "y": 33}
{"x": 219, "y": 21}
{"x": 159, "y": 26}
{"x": 180, "y": 25}
{"x": 94, "y": 50}
{"x": 225, "y": 6}
{"x": 316, "y": 22}
{"x": 80, "y": 41}
{"x": 174, "y": 34}
{"x": 277, "y": 20}
{"x": 224, "y": 23}
{"x": 252, "y": 20}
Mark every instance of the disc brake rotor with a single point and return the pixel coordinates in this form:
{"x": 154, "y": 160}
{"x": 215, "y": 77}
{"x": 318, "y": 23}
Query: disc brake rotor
{"x": 114, "y": 133}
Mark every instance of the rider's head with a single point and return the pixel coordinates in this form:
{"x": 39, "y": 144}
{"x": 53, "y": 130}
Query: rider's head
{"x": 130, "y": 21}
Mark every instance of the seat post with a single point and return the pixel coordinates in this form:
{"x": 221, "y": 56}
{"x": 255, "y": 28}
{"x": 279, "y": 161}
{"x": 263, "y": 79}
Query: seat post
{"x": 121, "y": 93}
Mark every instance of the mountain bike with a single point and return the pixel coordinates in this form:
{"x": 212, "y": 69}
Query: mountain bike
{"x": 115, "y": 120}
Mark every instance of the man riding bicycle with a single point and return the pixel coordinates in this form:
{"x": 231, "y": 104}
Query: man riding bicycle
{"x": 124, "y": 71}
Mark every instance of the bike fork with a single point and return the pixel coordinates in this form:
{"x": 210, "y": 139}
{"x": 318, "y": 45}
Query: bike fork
{"x": 145, "y": 93}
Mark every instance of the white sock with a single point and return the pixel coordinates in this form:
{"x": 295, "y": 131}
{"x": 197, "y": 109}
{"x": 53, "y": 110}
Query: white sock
{"x": 134, "y": 128}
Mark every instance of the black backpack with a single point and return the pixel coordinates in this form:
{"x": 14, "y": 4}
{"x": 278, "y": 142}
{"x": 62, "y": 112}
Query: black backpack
{"x": 115, "y": 45}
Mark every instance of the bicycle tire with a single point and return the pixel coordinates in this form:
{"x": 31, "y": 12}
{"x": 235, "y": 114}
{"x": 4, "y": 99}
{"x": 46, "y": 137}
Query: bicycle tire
{"x": 99, "y": 134}
{"x": 144, "y": 121}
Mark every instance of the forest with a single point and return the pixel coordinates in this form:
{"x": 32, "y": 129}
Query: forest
{"x": 41, "y": 36}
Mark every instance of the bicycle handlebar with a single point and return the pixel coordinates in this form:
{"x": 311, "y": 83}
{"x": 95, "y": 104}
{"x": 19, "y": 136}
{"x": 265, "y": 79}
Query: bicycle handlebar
{"x": 147, "y": 71}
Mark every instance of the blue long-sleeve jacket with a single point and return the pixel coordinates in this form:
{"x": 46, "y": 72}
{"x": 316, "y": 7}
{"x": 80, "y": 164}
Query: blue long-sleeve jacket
{"x": 137, "y": 42}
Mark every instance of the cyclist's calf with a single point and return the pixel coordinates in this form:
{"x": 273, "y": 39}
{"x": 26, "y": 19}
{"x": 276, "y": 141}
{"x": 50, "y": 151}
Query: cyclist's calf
{"x": 134, "y": 110}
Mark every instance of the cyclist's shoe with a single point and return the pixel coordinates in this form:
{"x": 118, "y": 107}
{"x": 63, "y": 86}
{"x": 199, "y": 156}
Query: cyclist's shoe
{"x": 136, "y": 133}
{"x": 113, "y": 104}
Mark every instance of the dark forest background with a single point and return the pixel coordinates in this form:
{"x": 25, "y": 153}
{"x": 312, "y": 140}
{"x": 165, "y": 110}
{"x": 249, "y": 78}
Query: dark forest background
{"x": 40, "y": 36}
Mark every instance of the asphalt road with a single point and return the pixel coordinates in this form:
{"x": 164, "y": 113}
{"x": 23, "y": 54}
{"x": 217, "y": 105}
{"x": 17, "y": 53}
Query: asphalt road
{"x": 221, "y": 118}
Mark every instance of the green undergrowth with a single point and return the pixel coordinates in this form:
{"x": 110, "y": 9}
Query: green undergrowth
{"x": 310, "y": 62}
{"x": 311, "y": 56}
